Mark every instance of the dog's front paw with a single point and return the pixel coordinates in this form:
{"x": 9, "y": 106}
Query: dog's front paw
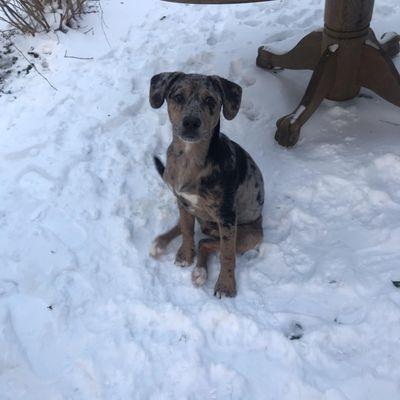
{"x": 225, "y": 286}
{"x": 185, "y": 256}
{"x": 199, "y": 276}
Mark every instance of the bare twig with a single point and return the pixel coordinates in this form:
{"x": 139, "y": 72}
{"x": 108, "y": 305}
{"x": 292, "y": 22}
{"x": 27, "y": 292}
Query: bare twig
{"x": 34, "y": 66}
{"x": 103, "y": 24}
{"x": 89, "y": 30}
{"x": 78, "y": 58}
{"x": 390, "y": 122}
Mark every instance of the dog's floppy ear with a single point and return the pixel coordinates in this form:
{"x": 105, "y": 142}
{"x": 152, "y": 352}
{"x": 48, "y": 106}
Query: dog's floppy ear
{"x": 231, "y": 95}
{"x": 160, "y": 85}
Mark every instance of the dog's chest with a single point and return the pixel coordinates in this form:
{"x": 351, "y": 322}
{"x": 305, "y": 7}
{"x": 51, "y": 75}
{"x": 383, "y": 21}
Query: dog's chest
{"x": 186, "y": 184}
{"x": 191, "y": 198}
{"x": 181, "y": 178}
{"x": 186, "y": 189}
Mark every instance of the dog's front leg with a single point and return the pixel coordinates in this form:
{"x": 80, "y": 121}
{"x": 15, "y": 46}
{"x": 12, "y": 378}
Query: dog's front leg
{"x": 185, "y": 255}
{"x": 226, "y": 283}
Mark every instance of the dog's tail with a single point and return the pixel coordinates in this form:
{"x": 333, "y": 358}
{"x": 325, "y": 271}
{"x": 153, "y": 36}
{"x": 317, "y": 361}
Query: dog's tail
{"x": 159, "y": 166}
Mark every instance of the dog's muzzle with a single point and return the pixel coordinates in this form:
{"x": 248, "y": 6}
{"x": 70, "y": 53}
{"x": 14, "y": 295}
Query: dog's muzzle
{"x": 190, "y": 129}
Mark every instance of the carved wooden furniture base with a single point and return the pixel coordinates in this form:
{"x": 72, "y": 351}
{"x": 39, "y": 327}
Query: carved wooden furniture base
{"x": 344, "y": 56}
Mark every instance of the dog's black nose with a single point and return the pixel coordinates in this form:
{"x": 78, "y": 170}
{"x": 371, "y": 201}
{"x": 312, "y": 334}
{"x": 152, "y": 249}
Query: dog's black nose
{"x": 191, "y": 122}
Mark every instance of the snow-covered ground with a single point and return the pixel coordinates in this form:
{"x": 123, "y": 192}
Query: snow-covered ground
{"x": 86, "y": 314}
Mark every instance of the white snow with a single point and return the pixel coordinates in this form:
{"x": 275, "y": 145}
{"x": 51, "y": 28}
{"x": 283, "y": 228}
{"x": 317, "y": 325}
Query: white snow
{"x": 333, "y": 48}
{"x": 297, "y": 114}
{"x": 371, "y": 44}
{"x": 85, "y": 313}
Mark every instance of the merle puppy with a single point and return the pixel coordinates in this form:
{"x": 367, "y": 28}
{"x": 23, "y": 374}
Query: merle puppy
{"x": 214, "y": 180}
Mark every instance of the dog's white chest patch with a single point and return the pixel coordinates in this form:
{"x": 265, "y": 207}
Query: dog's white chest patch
{"x": 193, "y": 199}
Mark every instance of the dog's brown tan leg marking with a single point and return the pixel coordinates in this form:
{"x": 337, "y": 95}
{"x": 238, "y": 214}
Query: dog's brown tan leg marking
{"x": 161, "y": 242}
{"x": 185, "y": 255}
{"x": 206, "y": 247}
{"x": 226, "y": 283}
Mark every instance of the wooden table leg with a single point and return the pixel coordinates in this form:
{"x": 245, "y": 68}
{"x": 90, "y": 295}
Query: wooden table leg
{"x": 359, "y": 60}
{"x": 390, "y": 44}
{"x": 379, "y": 74}
{"x": 305, "y": 55}
{"x": 322, "y": 81}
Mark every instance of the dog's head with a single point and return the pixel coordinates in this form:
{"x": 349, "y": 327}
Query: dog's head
{"x": 195, "y": 102}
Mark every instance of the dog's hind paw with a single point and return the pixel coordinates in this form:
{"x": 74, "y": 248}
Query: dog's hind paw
{"x": 156, "y": 250}
{"x": 199, "y": 276}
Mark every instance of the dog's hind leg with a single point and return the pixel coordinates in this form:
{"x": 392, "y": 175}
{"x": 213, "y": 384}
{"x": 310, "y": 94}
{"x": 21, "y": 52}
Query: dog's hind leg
{"x": 249, "y": 236}
{"x": 161, "y": 242}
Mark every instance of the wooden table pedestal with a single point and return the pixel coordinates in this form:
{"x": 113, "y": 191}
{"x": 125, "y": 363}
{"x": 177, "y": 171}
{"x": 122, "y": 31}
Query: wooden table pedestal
{"x": 344, "y": 56}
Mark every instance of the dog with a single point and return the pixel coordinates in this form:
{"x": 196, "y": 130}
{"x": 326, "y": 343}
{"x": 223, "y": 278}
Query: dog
{"x": 214, "y": 180}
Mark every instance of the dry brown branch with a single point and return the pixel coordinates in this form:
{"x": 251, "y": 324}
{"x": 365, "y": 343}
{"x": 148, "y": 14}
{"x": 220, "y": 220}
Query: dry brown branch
{"x": 31, "y": 16}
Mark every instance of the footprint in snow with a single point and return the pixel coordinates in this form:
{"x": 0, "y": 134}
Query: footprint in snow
{"x": 212, "y": 40}
{"x": 250, "y": 111}
{"x": 295, "y": 331}
{"x": 242, "y": 14}
{"x": 252, "y": 22}
{"x": 248, "y": 79}
{"x": 8, "y": 287}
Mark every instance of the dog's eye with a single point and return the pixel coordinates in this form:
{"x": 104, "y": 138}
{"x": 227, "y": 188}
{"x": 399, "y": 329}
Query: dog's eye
{"x": 210, "y": 101}
{"x": 178, "y": 98}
